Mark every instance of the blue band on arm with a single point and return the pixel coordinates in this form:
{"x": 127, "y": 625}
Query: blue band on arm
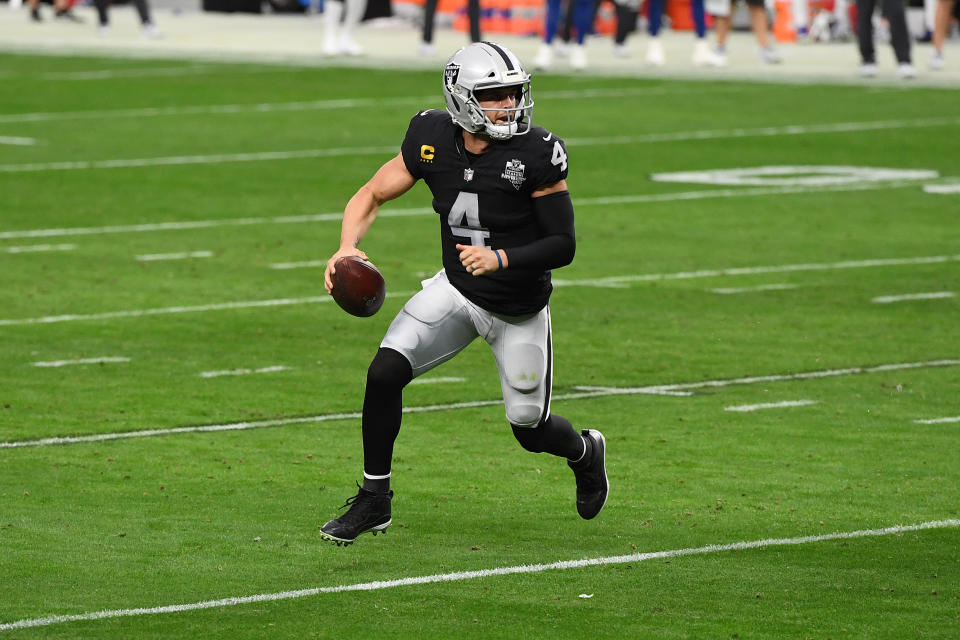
{"x": 499, "y": 259}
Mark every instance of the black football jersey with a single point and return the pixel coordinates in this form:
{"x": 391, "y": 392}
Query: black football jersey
{"x": 486, "y": 200}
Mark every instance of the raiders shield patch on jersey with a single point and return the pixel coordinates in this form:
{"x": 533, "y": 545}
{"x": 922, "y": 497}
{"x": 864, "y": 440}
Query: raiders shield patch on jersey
{"x": 514, "y": 173}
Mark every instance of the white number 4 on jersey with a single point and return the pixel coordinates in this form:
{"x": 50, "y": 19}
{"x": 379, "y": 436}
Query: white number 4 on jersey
{"x": 559, "y": 156}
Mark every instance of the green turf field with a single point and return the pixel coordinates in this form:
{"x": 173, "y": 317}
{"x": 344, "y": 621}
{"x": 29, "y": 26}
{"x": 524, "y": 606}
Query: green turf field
{"x": 776, "y": 361}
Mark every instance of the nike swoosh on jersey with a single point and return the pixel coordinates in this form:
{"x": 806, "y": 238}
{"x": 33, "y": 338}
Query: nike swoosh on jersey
{"x": 547, "y": 139}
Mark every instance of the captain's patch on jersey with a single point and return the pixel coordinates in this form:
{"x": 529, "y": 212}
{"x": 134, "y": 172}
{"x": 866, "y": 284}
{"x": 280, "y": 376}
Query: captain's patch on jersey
{"x": 514, "y": 173}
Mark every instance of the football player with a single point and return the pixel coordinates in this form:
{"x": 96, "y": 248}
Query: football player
{"x": 506, "y": 220}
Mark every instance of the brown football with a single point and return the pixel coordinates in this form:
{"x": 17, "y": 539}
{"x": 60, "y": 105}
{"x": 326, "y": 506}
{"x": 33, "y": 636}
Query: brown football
{"x": 358, "y": 287}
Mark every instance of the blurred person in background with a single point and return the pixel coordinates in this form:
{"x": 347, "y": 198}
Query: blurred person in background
{"x": 721, "y": 10}
{"x": 340, "y": 19}
{"x": 143, "y": 10}
{"x": 894, "y": 13}
{"x": 702, "y": 54}
{"x": 583, "y": 13}
{"x": 429, "y": 17}
{"x": 946, "y": 10}
{"x": 62, "y": 11}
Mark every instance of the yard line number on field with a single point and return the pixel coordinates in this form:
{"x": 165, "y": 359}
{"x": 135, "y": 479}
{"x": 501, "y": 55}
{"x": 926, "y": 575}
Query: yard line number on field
{"x": 581, "y": 392}
{"x": 460, "y": 576}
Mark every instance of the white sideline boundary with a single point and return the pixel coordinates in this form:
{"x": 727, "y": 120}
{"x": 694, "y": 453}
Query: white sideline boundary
{"x": 681, "y": 389}
{"x": 588, "y": 282}
{"x": 460, "y": 576}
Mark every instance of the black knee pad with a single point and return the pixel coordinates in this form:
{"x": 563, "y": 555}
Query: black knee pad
{"x": 389, "y": 370}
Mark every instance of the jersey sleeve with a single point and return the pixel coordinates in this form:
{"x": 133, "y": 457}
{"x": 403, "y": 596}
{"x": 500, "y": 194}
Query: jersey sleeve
{"x": 552, "y": 165}
{"x": 412, "y": 147}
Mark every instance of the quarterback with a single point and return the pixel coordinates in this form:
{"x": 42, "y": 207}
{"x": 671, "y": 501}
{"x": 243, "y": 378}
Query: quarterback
{"x": 506, "y": 220}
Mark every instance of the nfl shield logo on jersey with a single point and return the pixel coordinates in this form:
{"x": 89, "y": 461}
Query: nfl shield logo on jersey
{"x": 514, "y": 173}
{"x": 468, "y": 175}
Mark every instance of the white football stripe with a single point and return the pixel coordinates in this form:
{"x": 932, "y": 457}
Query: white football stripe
{"x": 63, "y": 363}
{"x": 601, "y": 282}
{"x": 761, "y": 287}
{"x": 183, "y": 255}
{"x": 243, "y": 372}
{"x": 38, "y": 248}
{"x": 460, "y": 576}
{"x": 840, "y": 127}
{"x": 942, "y": 188}
{"x": 939, "y": 420}
{"x": 583, "y": 392}
{"x": 699, "y": 194}
{"x": 439, "y": 380}
{"x": 743, "y": 408}
{"x": 18, "y": 141}
{"x": 914, "y": 296}
{"x": 323, "y": 105}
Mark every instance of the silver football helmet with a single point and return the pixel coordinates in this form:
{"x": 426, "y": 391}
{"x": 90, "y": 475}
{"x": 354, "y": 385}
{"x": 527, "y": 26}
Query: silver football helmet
{"x": 480, "y": 66}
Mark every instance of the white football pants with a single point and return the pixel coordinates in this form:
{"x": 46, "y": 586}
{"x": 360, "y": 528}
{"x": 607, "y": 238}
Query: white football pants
{"x": 439, "y": 322}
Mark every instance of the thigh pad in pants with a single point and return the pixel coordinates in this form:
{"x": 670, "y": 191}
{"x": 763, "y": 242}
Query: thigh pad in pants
{"x": 432, "y": 327}
{"x": 523, "y": 353}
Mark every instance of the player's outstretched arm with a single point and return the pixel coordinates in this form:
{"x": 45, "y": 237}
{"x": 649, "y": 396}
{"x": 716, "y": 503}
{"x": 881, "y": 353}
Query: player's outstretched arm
{"x": 391, "y": 181}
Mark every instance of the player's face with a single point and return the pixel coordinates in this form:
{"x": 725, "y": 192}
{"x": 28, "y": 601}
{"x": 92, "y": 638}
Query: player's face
{"x": 495, "y": 103}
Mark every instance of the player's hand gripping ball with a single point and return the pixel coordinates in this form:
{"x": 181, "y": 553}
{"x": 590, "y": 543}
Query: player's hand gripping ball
{"x": 358, "y": 286}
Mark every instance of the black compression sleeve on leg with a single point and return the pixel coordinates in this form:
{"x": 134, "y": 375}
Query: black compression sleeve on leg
{"x": 554, "y": 435}
{"x": 388, "y": 374}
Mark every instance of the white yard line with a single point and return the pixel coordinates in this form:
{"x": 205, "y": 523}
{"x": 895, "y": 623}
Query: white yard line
{"x": 746, "y": 408}
{"x": 304, "y": 264}
{"x": 759, "y": 287}
{"x": 139, "y": 313}
{"x": 332, "y": 104}
{"x": 64, "y": 363}
{"x": 438, "y": 380}
{"x": 243, "y": 372}
{"x": 18, "y": 141}
{"x": 217, "y": 158}
{"x": 460, "y": 576}
{"x": 592, "y": 282}
{"x": 674, "y": 196}
{"x": 583, "y": 392}
{"x": 272, "y": 156}
{"x": 935, "y": 295}
{"x": 141, "y": 72}
{"x": 38, "y": 248}
{"x": 743, "y": 271}
{"x": 942, "y": 188}
{"x": 939, "y": 420}
{"x": 183, "y": 255}
{"x": 189, "y": 225}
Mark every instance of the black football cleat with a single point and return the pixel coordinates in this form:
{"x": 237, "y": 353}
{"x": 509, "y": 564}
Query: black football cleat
{"x": 592, "y": 483}
{"x": 369, "y": 512}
